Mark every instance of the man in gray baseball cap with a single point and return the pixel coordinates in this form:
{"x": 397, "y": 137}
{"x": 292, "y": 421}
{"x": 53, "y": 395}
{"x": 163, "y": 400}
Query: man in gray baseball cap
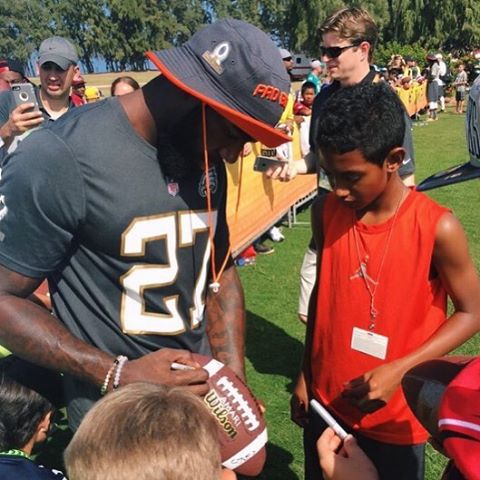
{"x": 59, "y": 51}
{"x": 57, "y": 62}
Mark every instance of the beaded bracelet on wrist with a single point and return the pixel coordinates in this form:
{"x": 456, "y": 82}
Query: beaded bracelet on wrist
{"x": 104, "y": 388}
{"x": 122, "y": 360}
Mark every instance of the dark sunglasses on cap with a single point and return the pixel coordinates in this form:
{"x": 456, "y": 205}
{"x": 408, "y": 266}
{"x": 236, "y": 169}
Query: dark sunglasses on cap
{"x": 334, "y": 52}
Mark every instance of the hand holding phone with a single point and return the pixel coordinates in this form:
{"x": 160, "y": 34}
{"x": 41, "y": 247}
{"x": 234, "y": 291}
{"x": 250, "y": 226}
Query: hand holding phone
{"x": 25, "y": 116}
{"x": 262, "y": 164}
{"x": 24, "y": 93}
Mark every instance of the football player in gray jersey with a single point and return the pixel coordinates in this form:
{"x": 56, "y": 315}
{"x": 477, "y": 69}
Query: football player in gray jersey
{"x": 121, "y": 205}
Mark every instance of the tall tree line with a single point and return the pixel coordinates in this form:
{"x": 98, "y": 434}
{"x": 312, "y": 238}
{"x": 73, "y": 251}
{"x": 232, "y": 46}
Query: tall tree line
{"x": 120, "y": 31}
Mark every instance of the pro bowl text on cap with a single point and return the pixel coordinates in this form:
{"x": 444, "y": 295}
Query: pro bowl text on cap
{"x": 234, "y": 68}
{"x": 59, "y": 51}
{"x": 284, "y": 53}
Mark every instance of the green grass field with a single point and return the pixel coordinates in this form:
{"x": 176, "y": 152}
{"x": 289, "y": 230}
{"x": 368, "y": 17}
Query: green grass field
{"x": 275, "y": 336}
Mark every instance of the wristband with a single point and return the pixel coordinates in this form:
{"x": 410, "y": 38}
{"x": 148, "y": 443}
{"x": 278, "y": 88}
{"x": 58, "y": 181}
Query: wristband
{"x": 104, "y": 388}
{"x": 122, "y": 360}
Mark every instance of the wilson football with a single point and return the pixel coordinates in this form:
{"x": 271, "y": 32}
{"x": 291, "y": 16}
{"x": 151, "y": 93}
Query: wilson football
{"x": 243, "y": 433}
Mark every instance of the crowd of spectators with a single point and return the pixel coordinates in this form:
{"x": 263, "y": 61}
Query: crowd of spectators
{"x": 174, "y": 419}
{"x": 433, "y": 73}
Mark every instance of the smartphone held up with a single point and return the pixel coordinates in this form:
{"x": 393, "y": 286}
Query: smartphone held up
{"x": 262, "y": 164}
{"x": 24, "y": 93}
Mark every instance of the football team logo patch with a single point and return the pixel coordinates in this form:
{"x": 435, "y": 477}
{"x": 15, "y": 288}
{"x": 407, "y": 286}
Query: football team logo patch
{"x": 216, "y": 57}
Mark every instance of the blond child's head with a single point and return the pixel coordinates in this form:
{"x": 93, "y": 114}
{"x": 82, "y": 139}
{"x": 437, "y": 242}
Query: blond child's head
{"x": 147, "y": 432}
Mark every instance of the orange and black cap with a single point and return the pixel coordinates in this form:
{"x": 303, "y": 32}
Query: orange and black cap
{"x": 236, "y": 69}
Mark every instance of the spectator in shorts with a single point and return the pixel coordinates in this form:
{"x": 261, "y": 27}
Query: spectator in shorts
{"x": 146, "y": 431}
{"x": 433, "y": 86}
{"x": 349, "y": 38}
{"x": 123, "y": 85}
{"x": 441, "y": 83}
{"x": 460, "y": 83}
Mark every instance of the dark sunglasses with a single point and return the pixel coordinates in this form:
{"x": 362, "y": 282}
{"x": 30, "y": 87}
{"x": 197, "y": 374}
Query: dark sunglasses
{"x": 287, "y": 59}
{"x": 334, "y": 52}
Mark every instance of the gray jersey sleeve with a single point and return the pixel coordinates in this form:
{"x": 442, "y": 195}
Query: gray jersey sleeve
{"x": 42, "y": 203}
{"x": 7, "y": 104}
{"x": 473, "y": 122}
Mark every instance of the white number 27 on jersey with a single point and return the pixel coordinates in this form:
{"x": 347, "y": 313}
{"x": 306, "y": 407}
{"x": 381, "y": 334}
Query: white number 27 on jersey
{"x": 177, "y": 230}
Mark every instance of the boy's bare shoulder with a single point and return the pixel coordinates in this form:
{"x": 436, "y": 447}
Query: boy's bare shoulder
{"x": 450, "y": 235}
{"x": 448, "y": 228}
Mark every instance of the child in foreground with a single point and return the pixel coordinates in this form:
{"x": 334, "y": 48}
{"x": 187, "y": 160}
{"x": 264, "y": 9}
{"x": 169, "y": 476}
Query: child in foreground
{"x": 25, "y": 418}
{"x": 388, "y": 258}
{"x": 149, "y": 432}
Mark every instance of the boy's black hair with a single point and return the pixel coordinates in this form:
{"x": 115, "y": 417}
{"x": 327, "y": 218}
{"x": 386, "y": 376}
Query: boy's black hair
{"x": 368, "y": 117}
{"x": 308, "y": 85}
{"x": 21, "y": 411}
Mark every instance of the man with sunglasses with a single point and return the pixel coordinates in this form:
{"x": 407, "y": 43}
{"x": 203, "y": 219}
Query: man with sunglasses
{"x": 349, "y": 38}
{"x": 57, "y": 64}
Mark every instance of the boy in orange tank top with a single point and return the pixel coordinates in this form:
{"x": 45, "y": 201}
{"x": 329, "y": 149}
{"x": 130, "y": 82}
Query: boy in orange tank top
{"x": 388, "y": 258}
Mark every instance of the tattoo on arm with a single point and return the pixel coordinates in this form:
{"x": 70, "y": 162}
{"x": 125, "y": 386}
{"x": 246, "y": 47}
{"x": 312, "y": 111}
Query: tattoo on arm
{"x": 226, "y": 321}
